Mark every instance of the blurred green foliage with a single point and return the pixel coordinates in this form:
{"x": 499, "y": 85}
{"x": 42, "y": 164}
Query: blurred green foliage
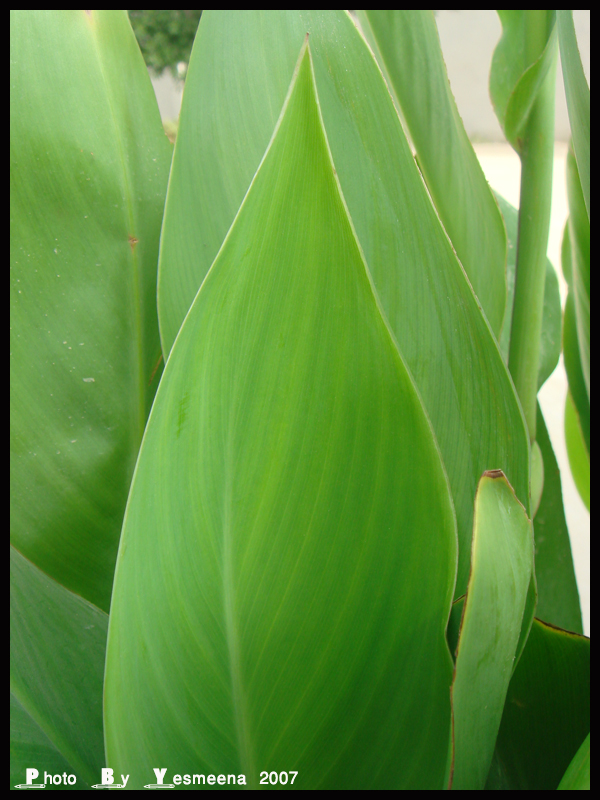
{"x": 165, "y": 37}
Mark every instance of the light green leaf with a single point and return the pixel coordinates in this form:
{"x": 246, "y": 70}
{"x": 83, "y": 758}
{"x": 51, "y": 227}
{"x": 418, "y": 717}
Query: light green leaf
{"x": 409, "y": 46}
{"x": 558, "y": 596}
{"x": 547, "y": 710}
{"x": 57, "y": 653}
{"x": 522, "y": 59}
{"x": 288, "y": 555}
{"x": 88, "y": 164}
{"x": 578, "y": 98}
{"x": 235, "y": 87}
{"x": 570, "y": 340}
{"x": 579, "y": 237}
{"x": 577, "y": 775}
{"x": 501, "y": 570}
{"x": 579, "y": 459}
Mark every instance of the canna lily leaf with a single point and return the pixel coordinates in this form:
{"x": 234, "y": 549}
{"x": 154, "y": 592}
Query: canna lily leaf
{"x": 57, "y": 651}
{"x": 577, "y": 407}
{"x": 522, "y": 60}
{"x": 235, "y": 88}
{"x": 577, "y": 775}
{"x": 577, "y": 385}
{"x": 30, "y": 745}
{"x": 409, "y": 47}
{"x": 579, "y": 459}
{"x": 547, "y": 710}
{"x": 490, "y": 629}
{"x": 89, "y": 166}
{"x": 288, "y": 556}
{"x": 578, "y": 98}
{"x": 579, "y": 273}
{"x": 558, "y": 596}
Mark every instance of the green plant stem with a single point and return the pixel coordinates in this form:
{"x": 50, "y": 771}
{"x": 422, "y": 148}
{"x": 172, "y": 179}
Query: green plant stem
{"x": 534, "y": 220}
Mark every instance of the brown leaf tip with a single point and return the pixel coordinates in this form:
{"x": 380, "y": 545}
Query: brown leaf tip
{"x": 493, "y": 473}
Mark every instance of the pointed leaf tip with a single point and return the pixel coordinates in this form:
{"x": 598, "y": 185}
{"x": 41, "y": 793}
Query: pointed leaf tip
{"x": 288, "y": 477}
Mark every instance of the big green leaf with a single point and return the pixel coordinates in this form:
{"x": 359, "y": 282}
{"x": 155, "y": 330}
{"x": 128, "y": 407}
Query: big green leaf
{"x": 492, "y": 617}
{"x": 288, "y": 555}
{"x": 88, "y": 165}
{"x": 57, "y": 651}
{"x": 239, "y": 72}
{"x": 409, "y": 45}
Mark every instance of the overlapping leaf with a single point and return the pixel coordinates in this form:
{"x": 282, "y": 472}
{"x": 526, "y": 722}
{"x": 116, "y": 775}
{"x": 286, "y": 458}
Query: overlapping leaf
{"x": 492, "y": 619}
{"x": 579, "y": 284}
{"x": 570, "y": 341}
{"x": 579, "y": 459}
{"x": 288, "y": 556}
{"x": 577, "y": 775}
{"x": 522, "y": 59}
{"x": 575, "y": 256}
{"x": 89, "y": 165}
{"x": 558, "y": 597}
{"x": 578, "y": 98}
{"x": 408, "y": 43}
{"x": 236, "y": 84}
{"x": 57, "y": 654}
{"x": 547, "y": 711}
{"x": 30, "y": 745}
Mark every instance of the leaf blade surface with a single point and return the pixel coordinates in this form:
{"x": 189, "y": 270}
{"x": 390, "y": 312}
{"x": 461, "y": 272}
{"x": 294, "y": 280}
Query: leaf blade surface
{"x": 409, "y": 45}
{"x": 89, "y": 166}
{"x": 235, "y": 85}
{"x": 493, "y": 615}
{"x": 58, "y": 643}
{"x": 288, "y": 555}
